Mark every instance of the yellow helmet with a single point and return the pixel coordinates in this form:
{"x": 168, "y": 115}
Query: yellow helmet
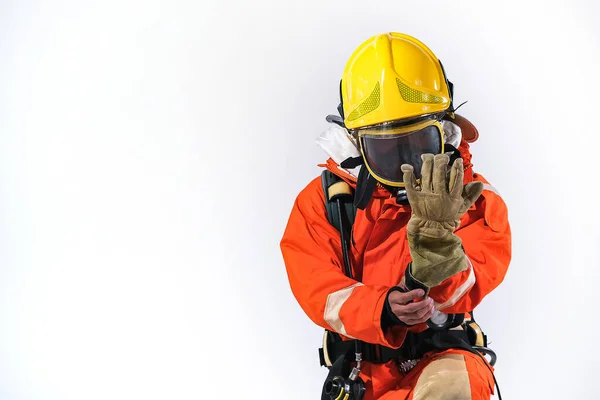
{"x": 392, "y": 77}
{"x": 394, "y": 94}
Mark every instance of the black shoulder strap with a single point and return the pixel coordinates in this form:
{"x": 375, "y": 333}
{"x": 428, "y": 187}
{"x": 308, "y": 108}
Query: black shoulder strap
{"x": 339, "y": 205}
{"x": 336, "y": 188}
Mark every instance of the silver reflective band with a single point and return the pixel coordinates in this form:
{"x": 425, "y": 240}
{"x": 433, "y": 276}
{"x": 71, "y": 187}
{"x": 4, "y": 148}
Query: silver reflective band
{"x": 334, "y": 304}
{"x": 461, "y": 290}
{"x": 487, "y": 186}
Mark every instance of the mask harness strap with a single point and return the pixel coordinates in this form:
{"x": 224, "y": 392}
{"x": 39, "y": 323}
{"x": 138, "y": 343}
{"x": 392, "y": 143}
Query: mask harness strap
{"x": 365, "y": 185}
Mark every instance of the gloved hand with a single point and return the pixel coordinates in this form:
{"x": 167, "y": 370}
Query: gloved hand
{"x": 437, "y": 205}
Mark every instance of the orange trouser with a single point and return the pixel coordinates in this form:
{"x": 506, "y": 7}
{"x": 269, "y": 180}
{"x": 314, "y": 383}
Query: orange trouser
{"x": 451, "y": 374}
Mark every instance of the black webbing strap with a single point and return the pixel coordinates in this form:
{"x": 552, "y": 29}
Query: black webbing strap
{"x": 414, "y": 347}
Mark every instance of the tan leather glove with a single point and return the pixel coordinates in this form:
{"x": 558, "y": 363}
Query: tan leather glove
{"x": 437, "y": 205}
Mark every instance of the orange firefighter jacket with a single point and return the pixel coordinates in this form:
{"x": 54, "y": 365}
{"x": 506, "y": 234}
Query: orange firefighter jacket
{"x": 312, "y": 254}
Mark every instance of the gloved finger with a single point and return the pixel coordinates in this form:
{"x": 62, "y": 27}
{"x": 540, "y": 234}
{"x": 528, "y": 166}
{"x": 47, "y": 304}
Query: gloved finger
{"x": 457, "y": 175}
{"x": 440, "y": 166}
{"x": 410, "y": 182}
{"x": 426, "y": 172}
{"x": 471, "y": 193}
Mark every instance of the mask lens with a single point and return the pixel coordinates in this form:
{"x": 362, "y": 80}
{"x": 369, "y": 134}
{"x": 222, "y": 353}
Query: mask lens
{"x": 385, "y": 153}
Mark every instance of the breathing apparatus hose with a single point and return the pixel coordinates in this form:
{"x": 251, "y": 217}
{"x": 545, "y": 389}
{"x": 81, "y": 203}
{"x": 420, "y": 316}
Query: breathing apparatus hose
{"x": 338, "y": 387}
{"x": 348, "y": 268}
{"x": 345, "y": 252}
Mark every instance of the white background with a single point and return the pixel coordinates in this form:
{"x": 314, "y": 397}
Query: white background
{"x": 150, "y": 153}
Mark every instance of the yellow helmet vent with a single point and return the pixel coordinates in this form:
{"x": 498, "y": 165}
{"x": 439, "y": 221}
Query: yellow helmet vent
{"x": 415, "y": 96}
{"x": 370, "y": 104}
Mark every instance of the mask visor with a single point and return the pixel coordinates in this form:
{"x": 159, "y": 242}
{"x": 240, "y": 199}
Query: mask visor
{"x": 385, "y": 151}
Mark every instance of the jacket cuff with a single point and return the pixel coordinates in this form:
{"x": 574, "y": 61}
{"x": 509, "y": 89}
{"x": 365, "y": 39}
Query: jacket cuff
{"x": 412, "y": 283}
{"x": 388, "y": 318}
{"x": 391, "y": 335}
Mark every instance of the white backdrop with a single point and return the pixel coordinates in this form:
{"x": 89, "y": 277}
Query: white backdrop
{"x": 150, "y": 153}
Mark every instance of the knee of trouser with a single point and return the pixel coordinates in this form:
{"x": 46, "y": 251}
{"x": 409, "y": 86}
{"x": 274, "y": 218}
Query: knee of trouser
{"x": 445, "y": 378}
